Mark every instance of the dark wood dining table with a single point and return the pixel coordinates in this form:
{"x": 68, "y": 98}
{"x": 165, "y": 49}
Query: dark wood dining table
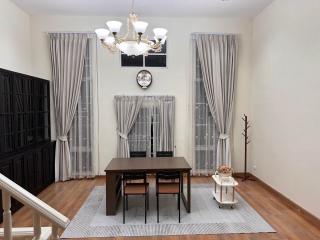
{"x": 118, "y": 166}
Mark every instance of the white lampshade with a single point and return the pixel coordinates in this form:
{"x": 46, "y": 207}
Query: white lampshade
{"x": 114, "y": 26}
{"x": 109, "y": 40}
{"x": 163, "y": 40}
{"x": 160, "y": 33}
{"x": 133, "y": 48}
{"x": 102, "y": 33}
{"x": 140, "y": 26}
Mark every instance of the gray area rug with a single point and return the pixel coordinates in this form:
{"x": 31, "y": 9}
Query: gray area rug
{"x": 205, "y": 217}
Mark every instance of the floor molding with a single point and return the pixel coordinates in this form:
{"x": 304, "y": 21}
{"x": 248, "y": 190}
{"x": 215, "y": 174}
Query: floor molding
{"x": 289, "y": 203}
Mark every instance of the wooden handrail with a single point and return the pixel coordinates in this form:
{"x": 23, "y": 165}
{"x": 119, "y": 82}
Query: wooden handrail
{"x": 28, "y": 199}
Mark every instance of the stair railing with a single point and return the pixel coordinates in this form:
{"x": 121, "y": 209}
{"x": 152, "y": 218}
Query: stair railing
{"x": 12, "y": 190}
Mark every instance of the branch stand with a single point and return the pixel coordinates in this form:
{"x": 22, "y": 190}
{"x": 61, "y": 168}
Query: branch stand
{"x": 246, "y": 142}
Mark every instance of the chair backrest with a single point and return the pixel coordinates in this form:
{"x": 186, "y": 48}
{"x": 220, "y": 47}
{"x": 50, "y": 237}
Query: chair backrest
{"x": 164, "y": 154}
{"x": 168, "y": 175}
{"x": 138, "y": 154}
{"x": 134, "y": 176}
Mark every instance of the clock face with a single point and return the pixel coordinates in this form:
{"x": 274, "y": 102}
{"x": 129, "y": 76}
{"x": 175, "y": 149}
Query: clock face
{"x": 144, "y": 79}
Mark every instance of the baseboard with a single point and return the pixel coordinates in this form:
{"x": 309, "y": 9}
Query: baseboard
{"x": 289, "y": 203}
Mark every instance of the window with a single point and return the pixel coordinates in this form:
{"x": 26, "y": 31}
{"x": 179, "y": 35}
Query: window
{"x": 153, "y": 59}
{"x": 205, "y": 130}
{"x": 81, "y": 132}
{"x": 145, "y": 134}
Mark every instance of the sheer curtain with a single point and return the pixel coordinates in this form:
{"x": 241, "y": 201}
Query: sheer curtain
{"x": 167, "y": 120}
{"x": 148, "y": 133}
{"x": 205, "y": 133}
{"x": 145, "y": 133}
{"x": 81, "y": 132}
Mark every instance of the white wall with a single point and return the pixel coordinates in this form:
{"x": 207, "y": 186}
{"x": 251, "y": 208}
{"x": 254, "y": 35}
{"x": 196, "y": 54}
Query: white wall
{"x": 15, "y": 46}
{"x": 173, "y": 80}
{"x": 286, "y": 100}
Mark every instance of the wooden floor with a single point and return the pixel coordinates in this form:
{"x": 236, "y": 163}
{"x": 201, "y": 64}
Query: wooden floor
{"x": 69, "y": 196}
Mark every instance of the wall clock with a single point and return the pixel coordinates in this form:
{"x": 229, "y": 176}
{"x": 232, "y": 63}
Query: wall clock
{"x": 144, "y": 79}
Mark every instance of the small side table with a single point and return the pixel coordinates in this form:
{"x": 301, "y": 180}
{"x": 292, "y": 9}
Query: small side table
{"x": 223, "y": 192}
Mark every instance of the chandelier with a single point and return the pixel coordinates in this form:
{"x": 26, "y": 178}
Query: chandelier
{"x": 134, "y": 42}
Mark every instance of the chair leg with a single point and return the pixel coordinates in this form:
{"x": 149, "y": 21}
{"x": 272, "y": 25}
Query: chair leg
{"x": 157, "y": 208}
{"x": 148, "y": 199}
{"x": 124, "y": 207}
{"x": 179, "y": 205}
{"x": 145, "y": 208}
{"x": 127, "y": 202}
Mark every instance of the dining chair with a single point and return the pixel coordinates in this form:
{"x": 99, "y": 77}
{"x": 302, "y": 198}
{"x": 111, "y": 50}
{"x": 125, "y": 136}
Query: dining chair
{"x": 138, "y": 154}
{"x": 168, "y": 183}
{"x": 164, "y": 154}
{"x": 135, "y": 188}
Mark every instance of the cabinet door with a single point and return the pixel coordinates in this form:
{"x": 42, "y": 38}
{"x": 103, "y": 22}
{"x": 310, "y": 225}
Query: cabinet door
{"x": 29, "y": 171}
{"x": 6, "y": 170}
{"x": 48, "y": 163}
{"x": 17, "y": 176}
{"x": 38, "y": 172}
{"x": 6, "y": 113}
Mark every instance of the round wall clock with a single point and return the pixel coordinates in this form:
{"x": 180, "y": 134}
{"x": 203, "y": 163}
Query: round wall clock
{"x": 144, "y": 79}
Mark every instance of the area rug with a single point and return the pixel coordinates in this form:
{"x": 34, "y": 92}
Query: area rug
{"x": 205, "y": 217}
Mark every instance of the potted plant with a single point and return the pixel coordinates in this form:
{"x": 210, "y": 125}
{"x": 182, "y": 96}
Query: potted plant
{"x": 224, "y": 171}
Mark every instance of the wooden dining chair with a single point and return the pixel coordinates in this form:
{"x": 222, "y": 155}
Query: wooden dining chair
{"x": 164, "y": 154}
{"x": 130, "y": 186}
{"x": 138, "y": 154}
{"x": 168, "y": 183}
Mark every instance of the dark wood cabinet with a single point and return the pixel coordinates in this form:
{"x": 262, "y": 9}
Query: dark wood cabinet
{"x": 26, "y": 151}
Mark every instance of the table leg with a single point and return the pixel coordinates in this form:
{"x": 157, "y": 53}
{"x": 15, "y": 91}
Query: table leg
{"x": 215, "y": 187}
{"x": 113, "y": 192}
{"x": 221, "y": 193}
{"x": 181, "y": 183}
{"x": 233, "y": 194}
{"x": 187, "y": 200}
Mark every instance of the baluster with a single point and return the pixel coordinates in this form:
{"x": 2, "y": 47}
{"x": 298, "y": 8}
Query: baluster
{"x": 54, "y": 233}
{"x": 7, "y": 219}
{"x": 36, "y": 226}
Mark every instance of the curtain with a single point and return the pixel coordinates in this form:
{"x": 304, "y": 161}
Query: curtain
{"x": 167, "y": 114}
{"x": 205, "y": 133}
{"x": 217, "y": 55}
{"x": 67, "y": 58}
{"x": 145, "y": 133}
{"x": 81, "y": 132}
{"x": 126, "y": 109}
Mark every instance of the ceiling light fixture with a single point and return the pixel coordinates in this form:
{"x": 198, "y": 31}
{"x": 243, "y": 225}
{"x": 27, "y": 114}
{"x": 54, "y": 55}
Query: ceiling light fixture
{"x": 133, "y": 42}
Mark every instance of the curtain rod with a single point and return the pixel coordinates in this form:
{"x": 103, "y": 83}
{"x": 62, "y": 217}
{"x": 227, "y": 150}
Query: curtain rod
{"x": 213, "y": 33}
{"x": 140, "y": 95}
{"x": 70, "y": 32}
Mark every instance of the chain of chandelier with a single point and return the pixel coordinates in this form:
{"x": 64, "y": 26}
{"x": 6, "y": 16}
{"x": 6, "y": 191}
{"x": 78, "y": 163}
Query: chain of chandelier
{"x": 135, "y": 41}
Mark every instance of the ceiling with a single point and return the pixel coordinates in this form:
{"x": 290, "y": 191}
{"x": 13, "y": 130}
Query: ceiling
{"x": 156, "y": 8}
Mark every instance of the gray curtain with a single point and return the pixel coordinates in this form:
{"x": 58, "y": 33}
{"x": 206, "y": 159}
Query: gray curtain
{"x": 67, "y": 59}
{"x": 127, "y": 109}
{"x": 218, "y": 55}
{"x": 167, "y": 114}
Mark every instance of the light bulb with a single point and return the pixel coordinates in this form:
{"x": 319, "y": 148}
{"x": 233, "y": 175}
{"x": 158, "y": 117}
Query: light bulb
{"x": 140, "y": 26}
{"x": 114, "y": 26}
{"x": 160, "y": 33}
{"x": 102, "y": 33}
{"x": 109, "y": 40}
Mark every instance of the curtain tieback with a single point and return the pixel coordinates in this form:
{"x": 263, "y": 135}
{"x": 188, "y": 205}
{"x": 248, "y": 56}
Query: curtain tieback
{"x": 223, "y": 136}
{"x": 63, "y": 138}
{"x": 122, "y": 135}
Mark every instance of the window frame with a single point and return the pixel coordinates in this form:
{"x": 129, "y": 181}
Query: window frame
{"x": 143, "y": 59}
